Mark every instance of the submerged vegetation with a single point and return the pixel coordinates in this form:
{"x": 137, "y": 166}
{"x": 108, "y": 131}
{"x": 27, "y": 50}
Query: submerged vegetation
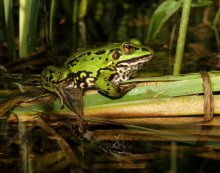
{"x": 167, "y": 115}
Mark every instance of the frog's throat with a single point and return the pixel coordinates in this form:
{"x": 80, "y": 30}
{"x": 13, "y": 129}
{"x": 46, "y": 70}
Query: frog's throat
{"x": 134, "y": 61}
{"x": 128, "y": 68}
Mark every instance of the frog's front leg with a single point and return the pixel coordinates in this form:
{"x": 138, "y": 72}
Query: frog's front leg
{"x": 105, "y": 84}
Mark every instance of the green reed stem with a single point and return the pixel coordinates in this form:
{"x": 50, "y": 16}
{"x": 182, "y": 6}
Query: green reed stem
{"x": 83, "y": 8}
{"x": 47, "y": 39}
{"x": 182, "y": 36}
{"x": 8, "y": 9}
{"x": 28, "y": 16}
{"x": 215, "y": 23}
{"x": 52, "y": 15}
{"x": 35, "y": 6}
{"x": 82, "y": 26}
{"x": 75, "y": 22}
{"x": 24, "y": 17}
{"x": 171, "y": 42}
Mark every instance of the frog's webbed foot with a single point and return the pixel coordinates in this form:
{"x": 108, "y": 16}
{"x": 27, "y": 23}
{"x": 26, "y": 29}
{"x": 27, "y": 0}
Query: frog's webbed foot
{"x": 72, "y": 98}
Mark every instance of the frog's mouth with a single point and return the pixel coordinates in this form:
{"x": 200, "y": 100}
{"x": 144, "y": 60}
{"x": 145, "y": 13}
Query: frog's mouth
{"x": 135, "y": 61}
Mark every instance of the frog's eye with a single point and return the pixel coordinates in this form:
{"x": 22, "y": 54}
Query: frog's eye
{"x": 128, "y": 48}
{"x": 116, "y": 55}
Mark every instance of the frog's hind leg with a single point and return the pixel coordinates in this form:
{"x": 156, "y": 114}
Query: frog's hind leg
{"x": 77, "y": 96}
{"x": 72, "y": 98}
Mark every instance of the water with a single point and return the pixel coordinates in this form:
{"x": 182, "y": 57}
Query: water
{"x": 108, "y": 148}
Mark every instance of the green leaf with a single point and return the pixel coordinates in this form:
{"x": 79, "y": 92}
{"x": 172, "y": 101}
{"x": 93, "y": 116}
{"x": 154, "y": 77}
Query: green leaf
{"x": 202, "y": 3}
{"x": 160, "y": 16}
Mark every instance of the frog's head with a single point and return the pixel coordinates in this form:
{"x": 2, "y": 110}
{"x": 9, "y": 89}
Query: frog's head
{"x": 130, "y": 57}
{"x": 131, "y": 53}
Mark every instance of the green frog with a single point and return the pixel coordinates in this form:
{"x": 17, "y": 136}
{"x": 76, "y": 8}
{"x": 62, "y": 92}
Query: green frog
{"x": 102, "y": 68}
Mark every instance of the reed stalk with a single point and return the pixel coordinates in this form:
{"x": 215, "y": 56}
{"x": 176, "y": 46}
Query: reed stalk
{"x": 182, "y": 37}
{"x": 33, "y": 25}
{"x": 215, "y": 23}
{"x": 75, "y": 23}
{"x": 24, "y": 17}
{"x": 51, "y": 25}
{"x": 8, "y": 9}
{"x": 82, "y": 26}
{"x": 28, "y": 16}
{"x": 148, "y": 102}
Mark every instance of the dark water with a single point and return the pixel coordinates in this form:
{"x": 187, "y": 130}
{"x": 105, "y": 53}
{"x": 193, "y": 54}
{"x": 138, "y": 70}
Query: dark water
{"x": 109, "y": 148}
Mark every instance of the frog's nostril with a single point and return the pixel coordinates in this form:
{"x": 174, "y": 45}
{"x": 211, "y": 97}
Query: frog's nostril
{"x": 144, "y": 49}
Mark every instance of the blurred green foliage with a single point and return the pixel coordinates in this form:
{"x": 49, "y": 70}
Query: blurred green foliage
{"x": 70, "y": 24}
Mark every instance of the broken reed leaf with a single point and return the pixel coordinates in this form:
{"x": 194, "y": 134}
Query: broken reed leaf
{"x": 8, "y": 105}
